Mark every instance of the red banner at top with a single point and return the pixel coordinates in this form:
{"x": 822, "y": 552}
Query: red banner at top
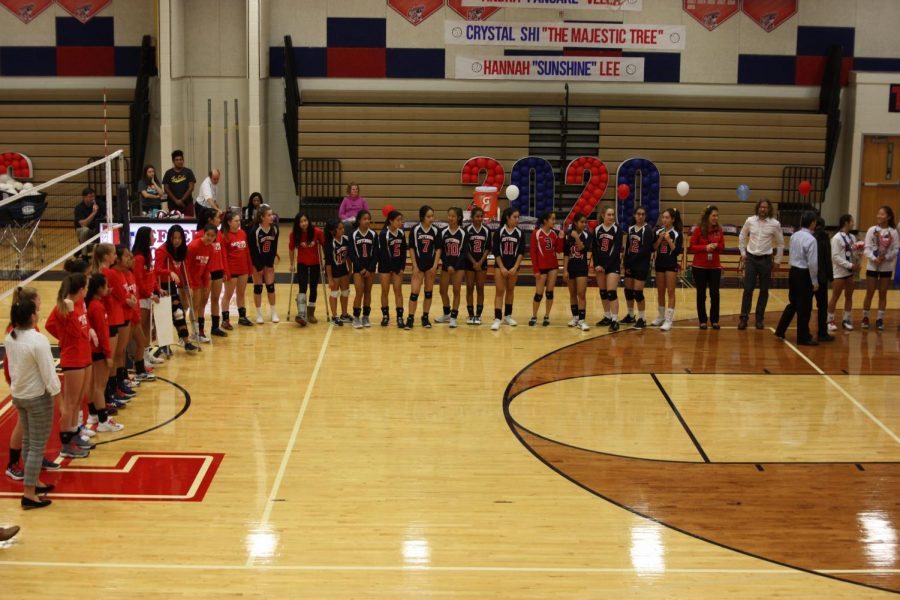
{"x": 471, "y": 13}
{"x": 83, "y": 10}
{"x": 26, "y": 10}
{"x": 416, "y": 11}
{"x": 711, "y": 13}
{"x": 769, "y": 14}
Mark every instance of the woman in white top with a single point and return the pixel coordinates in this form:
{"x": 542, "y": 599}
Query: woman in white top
{"x": 882, "y": 244}
{"x": 845, "y": 260}
{"x": 33, "y": 383}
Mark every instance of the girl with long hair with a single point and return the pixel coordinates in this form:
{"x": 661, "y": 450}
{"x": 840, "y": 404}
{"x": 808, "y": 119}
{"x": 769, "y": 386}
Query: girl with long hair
{"x": 669, "y": 245}
{"x": 305, "y": 243}
{"x": 478, "y": 245}
{"x": 218, "y": 271}
{"x": 150, "y": 190}
{"x": 264, "y": 254}
{"x": 576, "y": 249}
{"x": 364, "y": 244}
{"x": 707, "y": 245}
{"x": 638, "y": 253}
{"x": 424, "y": 245}
{"x": 199, "y": 264}
{"x": 338, "y": 257}
{"x": 509, "y": 249}
{"x": 392, "y": 251}
{"x": 101, "y": 355}
{"x": 453, "y": 263}
{"x": 239, "y": 268}
{"x": 169, "y": 269}
{"x": 133, "y": 316}
{"x": 103, "y": 261}
{"x": 148, "y": 287}
{"x": 248, "y": 213}
{"x": 545, "y": 244}
{"x": 882, "y": 245}
{"x": 607, "y": 254}
{"x": 845, "y": 259}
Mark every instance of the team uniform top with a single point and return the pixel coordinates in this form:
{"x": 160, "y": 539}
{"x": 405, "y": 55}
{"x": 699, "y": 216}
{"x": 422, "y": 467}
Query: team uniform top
{"x": 607, "y": 249}
{"x": 117, "y": 296}
{"x": 667, "y": 258}
{"x": 453, "y": 248}
{"x": 164, "y": 265}
{"x": 638, "y": 251}
{"x": 217, "y": 258}
{"x": 425, "y": 244}
{"x": 544, "y": 248}
{"x": 578, "y": 259}
{"x": 199, "y": 261}
{"x": 337, "y": 256}
{"x": 96, "y": 314}
{"x": 392, "y": 249}
{"x": 881, "y": 241}
{"x": 133, "y": 313}
{"x": 508, "y": 246}
{"x": 263, "y": 246}
{"x": 365, "y": 250}
{"x": 143, "y": 275}
{"x": 478, "y": 242}
{"x": 237, "y": 253}
{"x": 844, "y": 254}
{"x": 73, "y": 332}
{"x": 307, "y": 251}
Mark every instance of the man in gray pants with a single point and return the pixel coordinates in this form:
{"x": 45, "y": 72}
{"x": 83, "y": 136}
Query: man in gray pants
{"x": 760, "y": 236}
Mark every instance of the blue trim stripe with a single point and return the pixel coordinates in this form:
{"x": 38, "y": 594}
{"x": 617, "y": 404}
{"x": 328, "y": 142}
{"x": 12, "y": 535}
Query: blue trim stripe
{"x": 357, "y": 33}
{"x": 96, "y": 32}
{"x": 889, "y": 65}
{"x": 128, "y": 61}
{"x": 415, "y": 63}
{"x": 815, "y": 41}
{"x": 310, "y": 61}
{"x": 660, "y": 67}
{"x": 766, "y": 69}
{"x": 28, "y": 61}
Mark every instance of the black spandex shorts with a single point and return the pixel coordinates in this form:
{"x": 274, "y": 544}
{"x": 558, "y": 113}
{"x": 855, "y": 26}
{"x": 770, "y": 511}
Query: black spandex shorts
{"x": 425, "y": 264}
{"x": 667, "y": 269}
{"x": 217, "y": 275}
{"x": 879, "y": 274}
{"x": 264, "y": 264}
{"x": 114, "y": 330}
{"x": 577, "y": 272}
{"x": 547, "y": 271}
{"x": 64, "y": 369}
{"x": 637, "y": 274}
{"x": 96, "y": 356}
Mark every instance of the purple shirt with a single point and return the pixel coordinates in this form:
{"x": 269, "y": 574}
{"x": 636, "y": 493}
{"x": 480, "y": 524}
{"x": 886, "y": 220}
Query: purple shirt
{"x": 350, "y": 206}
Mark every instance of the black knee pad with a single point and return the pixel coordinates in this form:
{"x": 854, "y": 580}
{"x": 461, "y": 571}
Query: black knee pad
{"x": 257, "y": 288}
{"x": 428, "y": 295}
{"x": 550, "y": 295}
{"x": 612, "y": 296}
{"x": 639, "y": 295}
{"x": 629, "y": 294}
{"x": 413, "y": 297}
{"x": 270, "y": 288}
{"x": 604, "y": 295}
{"x": 538, "y": 297}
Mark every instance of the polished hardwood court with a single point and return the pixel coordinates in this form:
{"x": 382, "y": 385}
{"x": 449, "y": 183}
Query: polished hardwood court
{"x": 525, "y": 463}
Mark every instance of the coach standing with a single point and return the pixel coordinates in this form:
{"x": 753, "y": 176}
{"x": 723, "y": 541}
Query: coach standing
{"x": 803, "y": 281}
{"x": 759, "y": 235}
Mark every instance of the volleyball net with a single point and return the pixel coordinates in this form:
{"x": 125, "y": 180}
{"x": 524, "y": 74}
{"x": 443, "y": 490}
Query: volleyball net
{"x": 39, "y": 227}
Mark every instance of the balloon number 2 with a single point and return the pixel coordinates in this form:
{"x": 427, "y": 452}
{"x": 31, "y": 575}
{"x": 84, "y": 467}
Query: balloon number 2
{"x": 630, "y": 172}
{"x": 543, "y": 189}
{"x": 18, "y": 164}
{"x": 594, "y": 171}
{"x": 494, "y": 175}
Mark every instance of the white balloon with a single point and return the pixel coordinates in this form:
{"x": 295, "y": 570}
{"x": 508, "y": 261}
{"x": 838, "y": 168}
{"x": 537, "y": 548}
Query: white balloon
{"x": 512, "y": 192}
{"x": 683, "y": 188}
{"x": 28, "y": 186}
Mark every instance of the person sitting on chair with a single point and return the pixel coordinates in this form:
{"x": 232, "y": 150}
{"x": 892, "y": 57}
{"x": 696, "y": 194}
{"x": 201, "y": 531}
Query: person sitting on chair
{"x": 87, "y": 216}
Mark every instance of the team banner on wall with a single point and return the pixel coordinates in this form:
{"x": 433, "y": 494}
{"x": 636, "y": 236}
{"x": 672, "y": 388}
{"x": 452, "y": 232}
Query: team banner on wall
{"x": 566, "y": 35}
{"x": 561, "y": 4}
{"x": 26, "y": 10}
{"x": 471, "y": 13}
{"x": 769, "y": 14}
{"x": 711, "y": 13}
{"x": 83, "y": 10}
{"x": 549, "y": 68}
{"x": 416, "y": 11}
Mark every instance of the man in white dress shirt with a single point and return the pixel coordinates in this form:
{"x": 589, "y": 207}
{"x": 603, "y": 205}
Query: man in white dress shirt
{"x": 209, "y": 191}
{"x": 760, "y": 236}
{"x": 803, "y": 281}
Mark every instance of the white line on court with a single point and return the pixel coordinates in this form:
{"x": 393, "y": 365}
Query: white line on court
{"x": 292, "y": 441}
{"x": 839, "y": 388}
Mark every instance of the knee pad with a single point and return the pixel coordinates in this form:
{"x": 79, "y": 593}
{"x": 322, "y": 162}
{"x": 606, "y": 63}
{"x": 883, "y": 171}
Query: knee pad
{"x": 604, "y": 295}
{"x": 428, "y": 295}
{"x": 538, "y": 297}
{"x": 257, "y": 288}
{"x": 639, "y": 295}
{"x": 178, "y": 314}
{"x": 345, "y": 293}
{"x": 629, "y": 294}
{"x": 550, "y": 295}
{"x": 270, "y": 288}
{"x": 413, "y": 297}
{"x": 335, "y": 293}
{"x": 612, "y": 296}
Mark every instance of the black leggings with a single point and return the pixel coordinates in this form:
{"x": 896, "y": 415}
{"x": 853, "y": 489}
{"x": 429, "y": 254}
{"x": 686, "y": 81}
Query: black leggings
{"x": 309, "y": 275}
{"x": 710, "y": 278}
{"x": 180, "y": 323}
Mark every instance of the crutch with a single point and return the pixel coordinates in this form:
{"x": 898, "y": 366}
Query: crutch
{"x": 291, "y": 290}
{"x": 191, "y": 316}
{"x": 325, "y": 290}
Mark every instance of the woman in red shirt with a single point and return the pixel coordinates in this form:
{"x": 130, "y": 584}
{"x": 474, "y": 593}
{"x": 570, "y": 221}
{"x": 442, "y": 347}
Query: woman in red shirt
{"x": 169, "y": 269}
{"x": 101, "y": 354}
{"x": 148, "y": 287}
{"x": 545, "y": 245}
{"x": 238, "y": 267}
{"x": 218, "y": 271}
{"x": 134, "y": 320}
{"x": 707, "y": 244}
{"x": 304, "y": 242}
{"x": 104, "y": 258}
{"x": 199, "y": 261}
{"x": 68, "y": 323}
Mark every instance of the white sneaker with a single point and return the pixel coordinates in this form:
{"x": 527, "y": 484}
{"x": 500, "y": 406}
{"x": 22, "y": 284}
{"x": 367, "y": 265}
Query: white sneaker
{"x": 832, "y": 326}
{"x": 92, "y": 420}
{"x": 510, "y": 321}
{"x": 152, "y": 360}
{"x": 658, "y": 321}
{"x": 573, "y": 322}
{"x": 496, "y": 325}
{"x": 470, "y": 320}
{"x": 443, "y": 319}
{"x": 357, "y": 324}
{"x": 453, "y": 323}
{"x": 848, "y": 325}
{"x": 259, "y": 316}
{"x": 477, "y": 320}
{"x": 583, "y": 326}
{"x": 203, "y": 339}
{"x": 666, "y": 326}
{"x": 86, "y": 433}
{"x": 275, "y": 318}
{"x": 110, "y": 426}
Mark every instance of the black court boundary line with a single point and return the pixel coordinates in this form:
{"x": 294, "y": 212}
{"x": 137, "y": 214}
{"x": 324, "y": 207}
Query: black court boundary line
{"x": 169, "y": 421}
{"x": 513, "y": 425}
{"x": 681, "y": 420}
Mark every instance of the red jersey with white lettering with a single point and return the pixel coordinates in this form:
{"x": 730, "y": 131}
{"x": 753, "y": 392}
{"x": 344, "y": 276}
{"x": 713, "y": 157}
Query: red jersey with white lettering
{"x": 144, "y": 276}
{"x": 308, "y": 251}
{"x": 217, "y": 258}
{"x": 544, "y": 249}
{"x": 96, "y": 313}
{"x": 73, "y": 332}
{"x": 118, "y": 294}
{"x": 199, "y": 257}
{"x": 237, "y": 253}
{"x": 132, "y": 314}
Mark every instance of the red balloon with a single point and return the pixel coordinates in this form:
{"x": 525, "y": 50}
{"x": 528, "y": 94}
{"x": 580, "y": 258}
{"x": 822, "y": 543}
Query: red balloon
{"x": 804, "y": 188}
{"x": 623, "y": 191}
{"x": 481, "y": 162}
{"x": 386, "y": 210}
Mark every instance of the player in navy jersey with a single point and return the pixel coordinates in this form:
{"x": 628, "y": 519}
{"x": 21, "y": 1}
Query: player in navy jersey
{"x": 545, "y": 245}
{"x": 425, "y": 247}
{"x": 575, "y": 269}
{"x": 453, "y": 265}
{"x": 391, "y": 264}
{"x": 509, "y": 249}
{"x": 478, "y": 242}
{"x": 638, "y": 253}
{"x": 264, "y": 255}
{"x": 338, "y": 266}
{"x": 607, "y": 264}
{"x": 364, "y": 243}
{"x": 669, "y": 245}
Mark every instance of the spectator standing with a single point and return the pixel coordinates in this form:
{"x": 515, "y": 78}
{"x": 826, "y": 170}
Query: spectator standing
{"x": 760, "y": 236}
{"x": 178, "y": 183}
{"x": 207, "y": 198}
{"x": 803, "y": 281}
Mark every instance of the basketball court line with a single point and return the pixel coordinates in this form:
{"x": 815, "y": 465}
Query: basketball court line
{"x": 292, "y": 441}
{"x": 840, "y": 388}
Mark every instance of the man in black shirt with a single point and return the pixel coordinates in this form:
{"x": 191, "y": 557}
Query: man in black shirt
{"x": 87, "y": 216}
{"x": 179, "y": 185}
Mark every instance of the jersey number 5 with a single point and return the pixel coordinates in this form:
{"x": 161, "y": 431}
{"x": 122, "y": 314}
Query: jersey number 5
{"x": 604, "y": 245}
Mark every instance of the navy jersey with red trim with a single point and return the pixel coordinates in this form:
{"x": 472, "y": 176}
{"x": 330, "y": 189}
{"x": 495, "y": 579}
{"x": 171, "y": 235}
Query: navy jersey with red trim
{"x": 391, "y": 251}
{"x": 337, "y": 256}
{"x": 478, "y": 242}
{"x": 578, "y": 259}
{"x": 639, "y": 247}
{"x": 607, "y": 248}
{"x": 453, "y": 248}
{"x": 365, "y": 250}
{"x": 425, "y": 244}
{"x": 508, "y": 246}
{"x": 667, "y": 258}
{"x": 264, "y": 244}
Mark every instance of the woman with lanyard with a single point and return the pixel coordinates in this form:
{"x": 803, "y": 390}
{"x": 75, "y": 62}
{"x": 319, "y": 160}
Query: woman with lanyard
{"x": 707, "y": 245}
{"x": 845, "y": 259}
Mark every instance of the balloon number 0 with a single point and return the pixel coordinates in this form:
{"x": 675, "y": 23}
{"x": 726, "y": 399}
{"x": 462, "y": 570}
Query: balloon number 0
{"x": 543, "y": 189}
{"x": 593, "y": 170}
{"x": 629, "y": 173}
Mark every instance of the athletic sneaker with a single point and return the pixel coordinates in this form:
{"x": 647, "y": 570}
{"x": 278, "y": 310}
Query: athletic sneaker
{"x": 150, "y": 359}
{"x": 470, "y": 320}
{"x": 832, "y": 326}
{"x": 82, "y": 442}
{"x": 583, "y": 326}
{"x": 366, "y": 322}
{"x": 604, "y": 322}
{"x": 357, "y": 324}
{"x": 614, "y": 326}
{"x": 546, "y": 322}
{"x": 385, "y": 321}
{"x": 640, "y": 324}
{"x": 443, "y": 319}
{"x": 189, "y": 347}
{"x": 879, "y": 324}
{"x": 111, "y": 409}
{"x": 573, "y": 322}
{"x": 532, "y": 321}
{"x": 275, "y": 318}
{"x": 410, "y": 322}
{"x": 217, "y": 331}
{"x": 426, "y": 322}
{"x": 145, "y": 377}
{"x": 400, "y": 324}
{"x": 85, "y": 432}
{"x": 110, "y": 426}
{"x": 227, "y": 325}
{"x": 496, "y": 325}
{"x": 15, "y": 473}
{"x": 346, "y": 318}
{"x": 202, "y": 338}
{"x": 865, "y": 323}
{"x": 259, "y": 317}
{"x": 49, "y": 465}
{"x": 125, "y": 393}
{"x": 453, "y": 323}
{"x": 628, "y": 319}
{"x": 658, "y": 321}
{"x": 509, "y": 321}
{"x": 92, "y": 420}
{"x": 73, "y": 451}
{"x": 848, "y": 325}
{"x": 337, "y": 322}
{"x": 666, "y": 326}
{"x": 477, "y": 320}
{"x": 245, "y": 322}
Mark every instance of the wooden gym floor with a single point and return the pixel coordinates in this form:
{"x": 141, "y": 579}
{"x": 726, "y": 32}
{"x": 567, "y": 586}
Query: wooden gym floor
{"x": 529, "y": 463}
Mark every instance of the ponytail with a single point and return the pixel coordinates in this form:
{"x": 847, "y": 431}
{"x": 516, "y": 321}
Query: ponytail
{"x": 100, "y": 252}
{"x": 96, "y": 283}
{"x": 71, "y": 284}
{"x": 677, "y": 223}
{"x": 24, "y": 305}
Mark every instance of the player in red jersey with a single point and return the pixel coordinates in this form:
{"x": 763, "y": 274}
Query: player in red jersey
{"x": 101, "y": 355}
{"x": 218, "y": 271}
{"x": 545, "y": 245}
{"x": 199, "y": 267}
{"x": 305, "y": 242}
{"x": 169, "y": 270}
{"x": 238, "y": 268}
{"x": 148, "y": 287}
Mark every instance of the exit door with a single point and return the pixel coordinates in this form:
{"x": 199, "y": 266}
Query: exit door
{"x": 880, "y": 178}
